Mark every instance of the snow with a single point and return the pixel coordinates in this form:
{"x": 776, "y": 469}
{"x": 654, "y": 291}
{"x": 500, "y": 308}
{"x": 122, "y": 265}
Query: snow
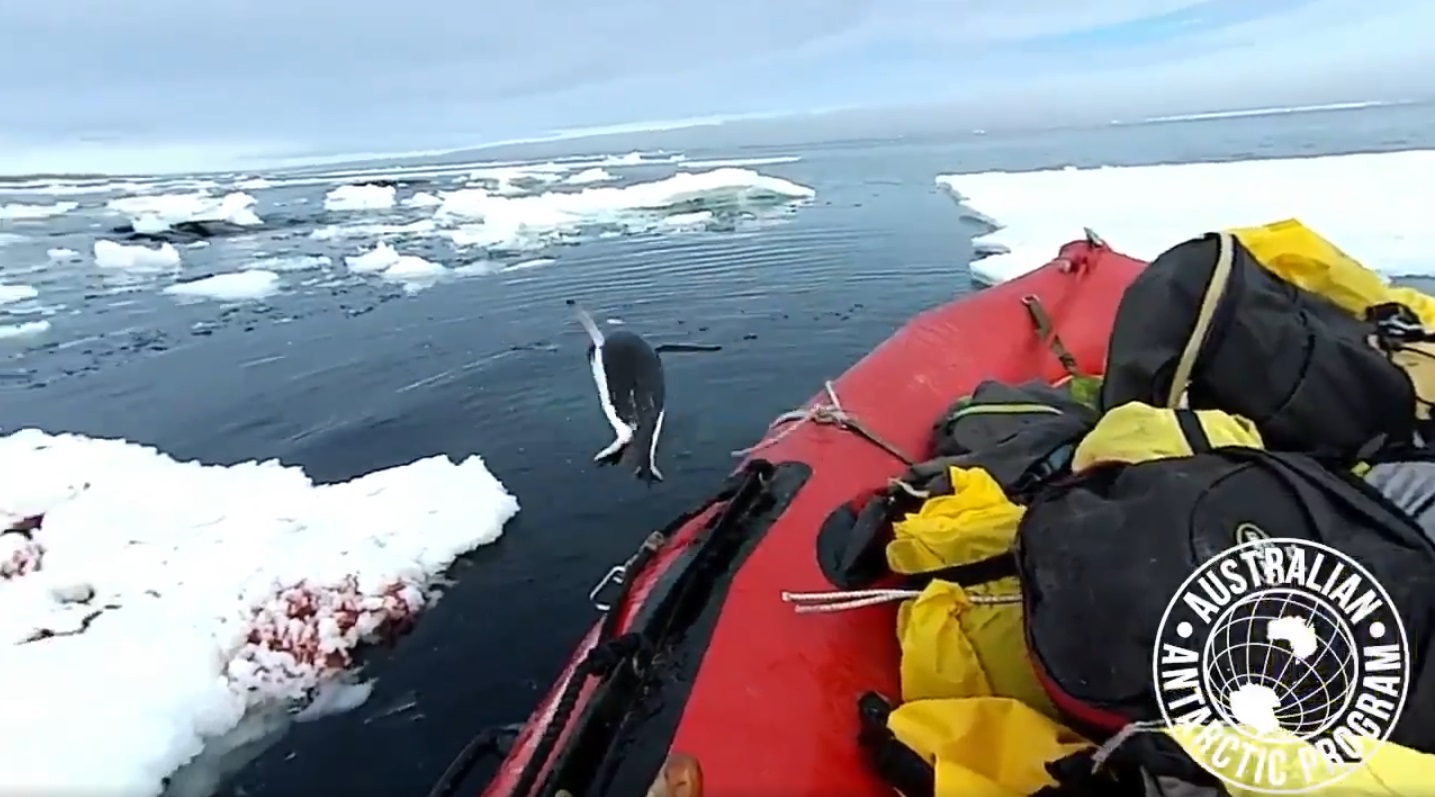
{"x": 241, "y": 285}
{"x": 61, "y": 253}
{"x": 154, "y": 214}
{"x": 526, "y": 222}
{"x": 35, "y": 212}
{"x": 385, "y": 261}
{"x": 360, "y": 197}
{"x": 109, "y": 254}
{"x": 9, "y": 294}
{"x": 159, "y": 603}
{"x": 1367, "y": 204}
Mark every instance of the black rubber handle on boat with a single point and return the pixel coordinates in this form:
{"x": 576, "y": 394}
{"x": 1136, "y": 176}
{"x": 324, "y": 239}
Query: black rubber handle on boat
{"x": 867, "y": 537}
{"x": 898, "y": 765}
{"x": 850, "y": 544}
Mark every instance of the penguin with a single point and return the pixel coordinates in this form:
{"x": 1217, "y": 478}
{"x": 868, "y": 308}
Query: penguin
{"x": 629, "y": 376}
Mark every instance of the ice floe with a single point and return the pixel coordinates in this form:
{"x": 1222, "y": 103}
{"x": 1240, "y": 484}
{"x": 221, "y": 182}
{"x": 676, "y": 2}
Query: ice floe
{"x": 1366, "y": 203}
{"x": 385, "y": 261}
{"x": 24, "y": 329}
{"x": 160, "y": 212}
{"x": 505, "y": 208}
{"x": 19, "y": 212}
{"x": 237, "y": 286}
{"x": 360, "y": 197}
{"x": 147, "y": 606}
{"x": 532, "y": 221}
{"x": 9, "y": 294}
{"x": 109, "y": 254}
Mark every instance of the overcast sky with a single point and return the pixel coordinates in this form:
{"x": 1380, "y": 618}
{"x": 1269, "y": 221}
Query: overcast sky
{"x": 181, "y": 84}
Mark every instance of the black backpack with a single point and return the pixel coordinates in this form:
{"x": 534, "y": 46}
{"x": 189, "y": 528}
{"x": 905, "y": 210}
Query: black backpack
{"x": 1021, "y": 434}
{"x": 1101, "y": 554}
{"x": 1207, "y": 323}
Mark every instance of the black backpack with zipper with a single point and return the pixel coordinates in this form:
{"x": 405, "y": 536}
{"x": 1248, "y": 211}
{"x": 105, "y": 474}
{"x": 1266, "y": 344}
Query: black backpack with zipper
{"x": 1205, "y": 324}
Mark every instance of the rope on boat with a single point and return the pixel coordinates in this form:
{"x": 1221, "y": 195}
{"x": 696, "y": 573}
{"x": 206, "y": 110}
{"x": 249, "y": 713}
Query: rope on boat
{"x": 829, "y": 413}
{"x": 841, "y": 601}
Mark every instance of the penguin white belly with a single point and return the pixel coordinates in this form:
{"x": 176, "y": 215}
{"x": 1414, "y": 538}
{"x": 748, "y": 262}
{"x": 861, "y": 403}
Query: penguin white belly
{"x": 623, "y": 433}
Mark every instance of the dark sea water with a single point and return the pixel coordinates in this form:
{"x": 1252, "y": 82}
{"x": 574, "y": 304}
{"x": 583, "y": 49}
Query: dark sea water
{"x": 358, "y": 378}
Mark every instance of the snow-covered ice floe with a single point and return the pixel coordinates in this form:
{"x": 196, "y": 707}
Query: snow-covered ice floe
{"x": 148, "y": 605}
{"x": 160, "y": 212}
{"x": 1367, "y": 204}
{"x": 385, "y": 261}
{"x": 360, "y": 197}
{"x": 490, "y": 219}
{"x": 253, "y": 283}
{"x": 137, "y": 257}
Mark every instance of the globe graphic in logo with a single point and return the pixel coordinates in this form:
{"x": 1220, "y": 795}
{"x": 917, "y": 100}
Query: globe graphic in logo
{"x": 1280, "y": 665}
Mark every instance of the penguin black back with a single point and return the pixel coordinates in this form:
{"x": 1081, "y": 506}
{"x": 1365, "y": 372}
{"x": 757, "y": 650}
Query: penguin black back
{"x": 638, "y": 393}
{"x": 628, "y": 374}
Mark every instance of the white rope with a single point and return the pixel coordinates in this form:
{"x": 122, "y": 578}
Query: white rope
{"x": 831, "y": 413}
{"x": 813, "y": 602}
{"x": 1098, "y": 758}
{"x": 816, "y": 602}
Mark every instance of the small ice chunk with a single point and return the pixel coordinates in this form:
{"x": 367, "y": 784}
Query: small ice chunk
{"x": 9, "y": 294}
{"x": 27, "y": 329}
{"x": 109, "y": 254}
{"x": 359, "y": 197}
{"x": 237, "y": 286}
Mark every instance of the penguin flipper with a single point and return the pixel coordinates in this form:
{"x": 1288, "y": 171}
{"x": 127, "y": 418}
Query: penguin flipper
{"x": 611, "y": 457}
{"x": 615, "y": 450}
{"x": 680, "y": 347}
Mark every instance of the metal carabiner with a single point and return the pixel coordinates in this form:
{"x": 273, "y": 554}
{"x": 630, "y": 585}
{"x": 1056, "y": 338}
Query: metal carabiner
{"x": 615, "y": 577}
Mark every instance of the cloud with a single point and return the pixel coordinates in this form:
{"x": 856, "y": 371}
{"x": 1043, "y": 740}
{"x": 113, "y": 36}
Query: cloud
{"x": 280, "y": 76}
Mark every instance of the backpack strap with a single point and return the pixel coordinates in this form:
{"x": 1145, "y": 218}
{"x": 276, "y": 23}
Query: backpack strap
{"x": 1190, "y": 424}
{"x": 1210, "y": 300}
{"x": 970, "y": 574}
{"x": 1046, "y": 333}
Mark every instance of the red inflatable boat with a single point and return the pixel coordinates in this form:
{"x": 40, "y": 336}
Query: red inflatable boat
{"x": 699, "y": 680}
